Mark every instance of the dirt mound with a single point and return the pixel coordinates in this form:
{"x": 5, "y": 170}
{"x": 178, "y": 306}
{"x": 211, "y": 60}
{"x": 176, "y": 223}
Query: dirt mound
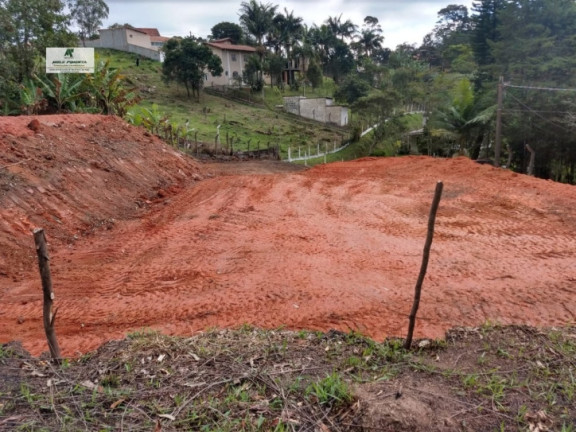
{"x": 337, "y": 246}
{"x": 75, "y": 174}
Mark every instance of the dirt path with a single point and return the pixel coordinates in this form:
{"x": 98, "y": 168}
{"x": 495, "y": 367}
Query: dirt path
{"x": 337, "y": 246}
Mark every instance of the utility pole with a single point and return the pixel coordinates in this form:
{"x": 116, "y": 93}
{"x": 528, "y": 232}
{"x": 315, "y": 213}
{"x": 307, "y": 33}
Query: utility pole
{"x": 498, "y": 138}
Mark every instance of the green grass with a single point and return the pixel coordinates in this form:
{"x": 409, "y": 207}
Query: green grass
{"x": 332, "y": 390}
{"x": 242, "y": 126}
{"x": 389, "y": 147}
{"x": 252, "y": 379}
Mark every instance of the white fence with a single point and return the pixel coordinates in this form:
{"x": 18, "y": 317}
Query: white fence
{"x": 307, "y": 154}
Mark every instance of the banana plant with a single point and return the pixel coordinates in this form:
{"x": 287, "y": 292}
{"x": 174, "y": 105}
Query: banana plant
{"x": 109, "y": 91}
{"x": 32, "y": 100}
{"x": 151, "y": 118}
{"x": 64, "y": 90}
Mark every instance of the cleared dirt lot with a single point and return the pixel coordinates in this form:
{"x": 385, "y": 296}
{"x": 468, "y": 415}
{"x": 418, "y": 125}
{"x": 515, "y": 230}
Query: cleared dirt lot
{"x": 141, "y": 236}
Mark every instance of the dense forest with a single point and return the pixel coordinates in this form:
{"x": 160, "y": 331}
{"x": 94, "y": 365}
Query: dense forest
{"x": 522, "y": 52}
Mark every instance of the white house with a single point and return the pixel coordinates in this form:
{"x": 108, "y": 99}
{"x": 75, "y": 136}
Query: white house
{"x": 319, "y": 109}
{"x": 234, "y": 59}
{"x": 146, "y": 42}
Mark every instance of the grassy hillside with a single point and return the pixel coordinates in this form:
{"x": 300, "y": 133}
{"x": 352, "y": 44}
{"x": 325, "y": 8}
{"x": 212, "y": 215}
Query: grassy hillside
{"x": 245, "y": 126}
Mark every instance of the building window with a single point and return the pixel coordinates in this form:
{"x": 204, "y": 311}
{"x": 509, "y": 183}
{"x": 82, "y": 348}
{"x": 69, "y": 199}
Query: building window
{"x": 226, "y": 73}
{"x": 233, "y": 57}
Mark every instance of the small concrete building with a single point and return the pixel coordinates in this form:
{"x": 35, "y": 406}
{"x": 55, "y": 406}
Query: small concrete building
{"x": 146, "y": 42}
{"x": 319, "y": 109}
{"x": 234, "y": 59}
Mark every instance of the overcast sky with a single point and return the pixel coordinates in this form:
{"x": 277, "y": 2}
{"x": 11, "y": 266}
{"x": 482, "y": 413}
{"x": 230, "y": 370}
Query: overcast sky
{"x": 401, "y": 20}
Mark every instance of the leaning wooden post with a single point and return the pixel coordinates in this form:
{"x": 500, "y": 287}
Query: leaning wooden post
{"x": 530, "y": 170}
{"x": 49, "y": 317}
{"x": 424, "y": 266}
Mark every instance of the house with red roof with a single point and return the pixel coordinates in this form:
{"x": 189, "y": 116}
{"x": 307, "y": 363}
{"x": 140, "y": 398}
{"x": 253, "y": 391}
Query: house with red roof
{"x": 234, "y": 59}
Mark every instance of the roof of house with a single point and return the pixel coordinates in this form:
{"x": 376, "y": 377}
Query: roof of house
{"x": 226, "y": 44}
{"x": 122, "y": 28}
{"x": 148, "y": 31}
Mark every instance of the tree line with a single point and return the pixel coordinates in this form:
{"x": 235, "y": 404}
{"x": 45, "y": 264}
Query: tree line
{"x": 453, "y": 72}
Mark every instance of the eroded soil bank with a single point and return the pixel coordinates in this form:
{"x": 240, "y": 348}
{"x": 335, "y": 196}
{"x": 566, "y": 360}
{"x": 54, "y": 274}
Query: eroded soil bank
{"x": 141, "y": 236}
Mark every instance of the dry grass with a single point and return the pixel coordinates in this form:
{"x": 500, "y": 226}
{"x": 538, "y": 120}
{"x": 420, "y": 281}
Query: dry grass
{"x": 488, "y": 378}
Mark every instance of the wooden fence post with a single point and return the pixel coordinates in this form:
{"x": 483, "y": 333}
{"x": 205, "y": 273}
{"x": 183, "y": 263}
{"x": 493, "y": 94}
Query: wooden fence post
{"x": 424, "y": 266}
{"x": 49, "y": 317}
{"x": 530, "y": 170}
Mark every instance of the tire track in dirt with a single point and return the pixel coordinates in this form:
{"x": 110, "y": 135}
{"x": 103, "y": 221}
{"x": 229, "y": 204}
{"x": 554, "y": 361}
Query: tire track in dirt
{"x": 338, "y": 246}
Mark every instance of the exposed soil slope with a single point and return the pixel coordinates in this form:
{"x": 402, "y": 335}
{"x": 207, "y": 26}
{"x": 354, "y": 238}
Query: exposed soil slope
{"x": 75, "y": 174}
{"x": 337, "y": 246}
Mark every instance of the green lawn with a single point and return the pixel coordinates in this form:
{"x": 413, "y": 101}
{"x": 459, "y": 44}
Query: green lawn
{"x": 242, "y": 125}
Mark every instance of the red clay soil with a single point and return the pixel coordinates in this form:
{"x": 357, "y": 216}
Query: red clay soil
{"x": 143, "y": 237}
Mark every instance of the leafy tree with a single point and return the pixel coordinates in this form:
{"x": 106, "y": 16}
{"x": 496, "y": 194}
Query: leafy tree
{"x": 351, "y": 89}
{"x": 274, "y": 67}
{"x": 27, "y": 27}
{"x": 118, "y": 25}
{"x": 536, "y": 48}
{"x": 340, "y": 60}
{"x": 227, "y": 29}
{"x": 378, "y": 110}
{"x": 450, "y": 39}
{"x": 252, "y": 75}
{"x": 537, "y": 41}
{"x": 373, "y": 24}
{"x": 187, "y": 61}
{"x": 453, "y": 23}
{"x": 314, "y": 74}
{"x": 459, "y": 58}
{"x": 88, "y": 14}
{"x": 486, "y": 28}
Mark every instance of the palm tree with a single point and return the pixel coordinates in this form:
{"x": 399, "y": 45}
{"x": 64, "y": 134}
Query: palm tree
{"x": 461, "y": 123}
{"x": 322, "y": 39}
{"x": 305, "y": 50}
{"x": 292, "y": 31}
{"x": 287, "y": 31}
{"x": 256, "y": 19}
{"x": 368, "y": 41}
{"x": 344, "y": 29}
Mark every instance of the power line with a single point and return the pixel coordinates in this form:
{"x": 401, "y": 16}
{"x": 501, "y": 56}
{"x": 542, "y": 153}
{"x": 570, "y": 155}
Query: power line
{"x": 540, "y": 88}
{"x": 539, "y": 115}
{"x": 538, "y": 111}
